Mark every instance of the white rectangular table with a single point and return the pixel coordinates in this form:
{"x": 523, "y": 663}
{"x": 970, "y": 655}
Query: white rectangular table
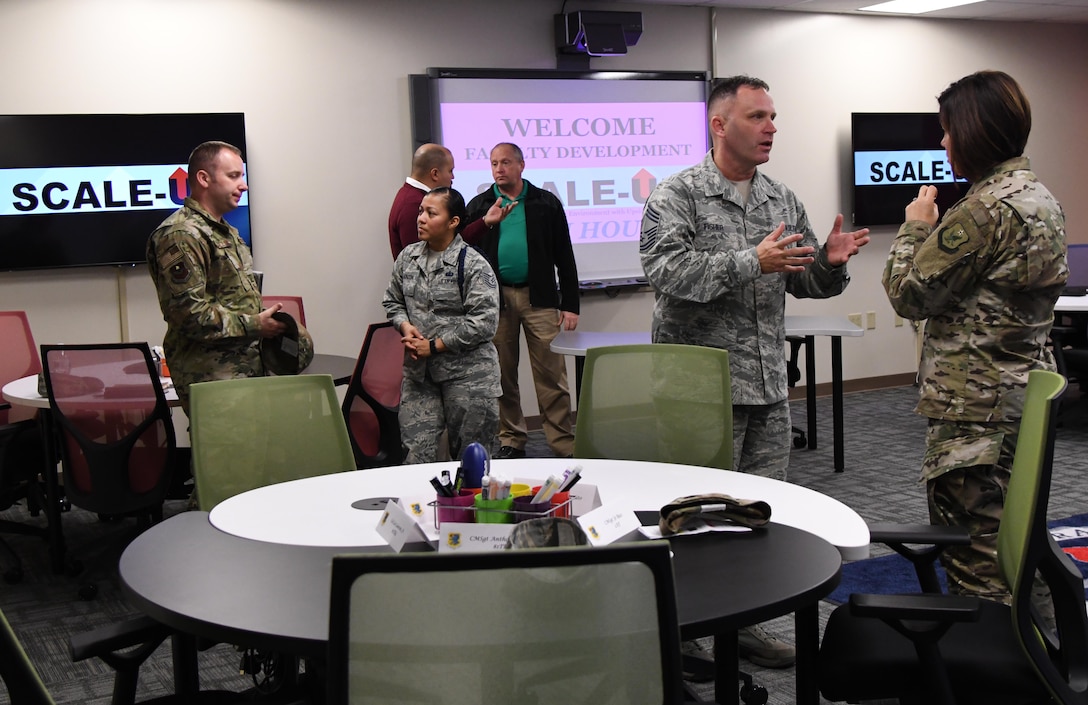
{"x": 576, "y": 343}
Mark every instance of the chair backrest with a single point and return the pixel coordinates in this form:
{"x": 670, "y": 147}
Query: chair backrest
{"x": 291, "y": 305}
{"x": 566, "y": 625}
{"x": 372, "y": 401}
{"x": 657, "y": 402}
{"x": 116, "y": 431}
{"x": 258, "y": 431}
{"x": 22, "y": 680}
{"x": 1025, "y": 547}
{"x": 18, "y": 357}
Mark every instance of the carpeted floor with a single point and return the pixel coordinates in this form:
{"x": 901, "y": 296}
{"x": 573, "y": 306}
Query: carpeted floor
{"x": 883, "y": 450}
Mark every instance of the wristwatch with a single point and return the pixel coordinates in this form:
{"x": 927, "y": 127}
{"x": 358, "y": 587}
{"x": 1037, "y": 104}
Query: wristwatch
{"x": 434, "y": 348}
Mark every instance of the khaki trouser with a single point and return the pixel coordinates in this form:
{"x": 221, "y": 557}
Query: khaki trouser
{"x": 549, "y": 373}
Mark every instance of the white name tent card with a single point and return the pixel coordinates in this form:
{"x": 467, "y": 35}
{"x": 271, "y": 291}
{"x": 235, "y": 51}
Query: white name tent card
{"x": 422, "y": 510}
{"x": 584, "y": 498}
{"x": 607, "y": 524}
{"x": 398, "y": 527}
{"x": 473, "y": 538}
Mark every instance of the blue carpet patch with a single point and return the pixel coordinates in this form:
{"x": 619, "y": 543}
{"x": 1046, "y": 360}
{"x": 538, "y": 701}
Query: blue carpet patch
{"x": 895, "y": 574}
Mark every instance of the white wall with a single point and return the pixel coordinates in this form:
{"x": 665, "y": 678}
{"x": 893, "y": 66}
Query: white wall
{"x": 323, "y": 84}
{"x": 821, "y": 68}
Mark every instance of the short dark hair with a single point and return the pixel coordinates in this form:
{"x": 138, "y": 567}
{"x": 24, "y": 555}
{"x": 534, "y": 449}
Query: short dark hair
{"x": 514, "y": 147}
{"x": 203, "y": 157}
{"x": 455, "y": 204}
{"x": 988, "y": 119}
{"x": 722, "y": 88}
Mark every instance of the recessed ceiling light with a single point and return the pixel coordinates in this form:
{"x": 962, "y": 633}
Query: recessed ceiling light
{"x": 915, "y": 7}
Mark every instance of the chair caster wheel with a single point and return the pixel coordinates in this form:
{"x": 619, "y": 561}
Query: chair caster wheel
{"x": 800, "y": 441}
{"x": 753, "y": 695}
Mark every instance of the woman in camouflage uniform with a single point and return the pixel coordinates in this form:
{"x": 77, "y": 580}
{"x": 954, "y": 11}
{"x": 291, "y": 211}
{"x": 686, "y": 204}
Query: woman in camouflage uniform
{"x": 986, "y": 276}
{"x": 444, "y": 300}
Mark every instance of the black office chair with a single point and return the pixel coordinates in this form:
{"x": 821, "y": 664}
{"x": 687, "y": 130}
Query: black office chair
{"x": 21, "y": 448}
{"x": 955, "y": 649}
{"x": 114, "y": 431}
{"x": 372, "y": 402}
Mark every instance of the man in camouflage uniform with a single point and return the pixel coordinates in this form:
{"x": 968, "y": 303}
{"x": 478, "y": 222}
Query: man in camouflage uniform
{"x": 986, "y": 277}
{"x": 203, "y": 273}
{"x": 722, "y": 244}
{"x": 445, "y": 303}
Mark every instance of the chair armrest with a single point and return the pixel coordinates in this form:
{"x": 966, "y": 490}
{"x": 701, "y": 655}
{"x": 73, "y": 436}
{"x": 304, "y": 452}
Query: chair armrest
{"x": 938, "y": 608}
{"x": 889, "y": 534}
{"x": 921, "y": 544}
{"x": 112, "y": 637}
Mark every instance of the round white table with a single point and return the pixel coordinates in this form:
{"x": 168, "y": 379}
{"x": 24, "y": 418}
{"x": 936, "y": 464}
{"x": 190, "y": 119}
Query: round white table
{"x": 24, "y": 392}
{"x": 318, "y": 511}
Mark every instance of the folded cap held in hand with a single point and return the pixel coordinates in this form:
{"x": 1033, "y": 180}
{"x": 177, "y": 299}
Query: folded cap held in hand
{"x": 290, "y": 352}
{"x": 683, "y": 512}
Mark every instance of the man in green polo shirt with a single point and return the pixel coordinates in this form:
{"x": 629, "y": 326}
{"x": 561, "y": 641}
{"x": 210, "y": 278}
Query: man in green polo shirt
{"x": 529, "y": 250}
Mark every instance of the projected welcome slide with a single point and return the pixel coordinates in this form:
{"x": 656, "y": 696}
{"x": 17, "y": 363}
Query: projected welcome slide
{"x": 601, "y": 159}
{"x": 600, "y": 142}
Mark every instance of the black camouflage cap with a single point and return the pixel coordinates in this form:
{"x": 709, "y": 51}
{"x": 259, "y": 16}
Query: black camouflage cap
{"x": 290, "y": 352}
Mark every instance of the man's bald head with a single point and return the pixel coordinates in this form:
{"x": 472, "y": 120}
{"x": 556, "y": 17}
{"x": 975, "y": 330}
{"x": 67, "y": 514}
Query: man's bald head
{"x": 432, "y": 164}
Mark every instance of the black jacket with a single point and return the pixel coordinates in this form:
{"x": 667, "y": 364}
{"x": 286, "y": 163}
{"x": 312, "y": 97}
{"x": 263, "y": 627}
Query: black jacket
{"x": 550, "y": 249}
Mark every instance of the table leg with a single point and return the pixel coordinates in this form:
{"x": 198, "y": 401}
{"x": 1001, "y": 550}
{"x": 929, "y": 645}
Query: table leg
{"x": 836, "y": 389}
{"x": 579, "y": 365}
{"x": 186, "y": 671}
{"x": 806, "y": 623}
{"x": 726, "y": 672}
{"x": 52, "y": 507}
{"x": 810, "y": 388}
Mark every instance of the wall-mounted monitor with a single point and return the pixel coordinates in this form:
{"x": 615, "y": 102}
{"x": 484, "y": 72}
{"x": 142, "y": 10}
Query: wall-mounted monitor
{"x": 88, "y": 190}
{"x": 893, "y": 155}
{"x": 599, "y": 140}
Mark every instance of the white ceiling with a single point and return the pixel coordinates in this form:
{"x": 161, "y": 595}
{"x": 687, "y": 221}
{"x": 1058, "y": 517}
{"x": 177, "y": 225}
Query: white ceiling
{"x": 1004, "y": 10}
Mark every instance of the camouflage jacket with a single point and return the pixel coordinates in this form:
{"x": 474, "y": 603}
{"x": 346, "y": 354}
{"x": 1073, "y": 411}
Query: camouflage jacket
{"x": 987, "y": 278}
{"x": 203, "y": 273}
{"x": 698, "y": 249}
{"x": 459, "y": 304}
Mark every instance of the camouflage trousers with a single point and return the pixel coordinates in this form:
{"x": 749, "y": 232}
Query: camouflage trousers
{"x": 428, "y": 408}
{"x": 761, "y": 439}
{"x": 973, "y": 496}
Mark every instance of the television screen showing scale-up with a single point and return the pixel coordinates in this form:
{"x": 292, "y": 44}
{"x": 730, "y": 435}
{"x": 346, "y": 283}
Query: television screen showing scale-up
{"x": 87, "y": 190}
{"x": 894, "y": 154}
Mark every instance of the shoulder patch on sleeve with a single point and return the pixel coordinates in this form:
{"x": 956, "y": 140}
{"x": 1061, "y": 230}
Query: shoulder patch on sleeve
{"x": 952, "y": 238}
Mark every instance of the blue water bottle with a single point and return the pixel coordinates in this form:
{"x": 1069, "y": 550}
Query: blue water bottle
{"x": 475, "y": 463}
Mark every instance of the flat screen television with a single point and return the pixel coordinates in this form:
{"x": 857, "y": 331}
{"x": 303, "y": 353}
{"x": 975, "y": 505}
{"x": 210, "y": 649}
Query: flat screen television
{"x": 893, "y": 155}
{"x": 599, "y": 140}
{"x": 88, "y": 190}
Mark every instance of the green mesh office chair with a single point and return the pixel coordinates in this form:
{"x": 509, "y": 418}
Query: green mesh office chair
{"x": 23, "y": 683}
{"x": 550, "y": 625}
{"x": 258, "y": 431}
{"x": 954, "y": 649}
{"x": 657, "y": 402}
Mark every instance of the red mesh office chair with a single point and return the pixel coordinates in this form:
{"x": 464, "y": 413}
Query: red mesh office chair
{"x": 372, "y": 401}
{"x": 20, "y": 442}
{"x": 116, "y": 435}
{"x": 291, "y": 305}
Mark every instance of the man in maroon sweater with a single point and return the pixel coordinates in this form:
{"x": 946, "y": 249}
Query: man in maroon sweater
{"x": 432, "y": 166}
